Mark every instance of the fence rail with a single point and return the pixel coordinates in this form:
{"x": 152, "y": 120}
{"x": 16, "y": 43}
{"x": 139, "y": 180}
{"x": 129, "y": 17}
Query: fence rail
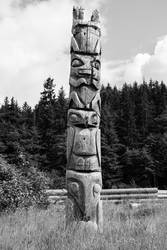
{"x": 116, "y": 195}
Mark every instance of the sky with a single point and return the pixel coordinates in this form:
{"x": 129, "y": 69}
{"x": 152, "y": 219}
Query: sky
{"x": 35, "y": 43}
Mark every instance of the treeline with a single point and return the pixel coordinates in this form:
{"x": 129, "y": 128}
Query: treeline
{"x": 133, "y": 141}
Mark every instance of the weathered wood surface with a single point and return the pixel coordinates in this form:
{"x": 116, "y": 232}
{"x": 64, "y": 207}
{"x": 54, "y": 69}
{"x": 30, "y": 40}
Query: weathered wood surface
{"x": 129, "y": 191}
{"x": 52, "y": 192}
{"x": 83, "y": 172}
{"x": 131, "y": 195}
{"x": 162, "y": 194}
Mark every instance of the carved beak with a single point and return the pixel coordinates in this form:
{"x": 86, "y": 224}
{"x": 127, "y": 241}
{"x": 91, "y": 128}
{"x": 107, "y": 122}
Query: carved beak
{"x": 86, "y": 121}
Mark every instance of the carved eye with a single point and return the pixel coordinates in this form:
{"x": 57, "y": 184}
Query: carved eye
{"x": 94, "y": 119}
{"x": 96, "y": 189}
{"x": 76, "y": 63}
{"x": 73, "y": 118}
{"x": 96, "y": 64}
{"x": 73, "y": 187}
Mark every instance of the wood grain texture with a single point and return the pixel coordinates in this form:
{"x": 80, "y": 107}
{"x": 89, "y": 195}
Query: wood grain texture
{"x": 83, "y": 174}
{"x": 83, "y": 198}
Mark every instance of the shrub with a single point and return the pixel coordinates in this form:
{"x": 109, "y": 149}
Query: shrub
{"x": 21, "y": 187}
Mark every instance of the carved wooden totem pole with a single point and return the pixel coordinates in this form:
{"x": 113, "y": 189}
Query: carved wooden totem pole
{"x": 83, "y": 175}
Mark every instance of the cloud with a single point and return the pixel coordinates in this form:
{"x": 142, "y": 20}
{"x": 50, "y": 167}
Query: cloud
{"x": 141, "y": 66}
{"x": 35, "y": 40}
{"x": 119, "y": 72}
{"x": 156, "y": 68}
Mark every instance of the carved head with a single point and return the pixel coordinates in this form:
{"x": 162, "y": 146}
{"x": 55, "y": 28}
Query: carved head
{"x": 85, "y": 61}
{"x": 84, "y": 190}
{"x": 86, "y": 35}
{"x": 83, "y": 148}
{"x": 83, "y": 118}
{"x": 85, "y": 70}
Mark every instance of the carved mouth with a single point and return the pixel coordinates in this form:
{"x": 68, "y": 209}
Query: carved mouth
{"x": 96, "y": 79}
{"x": 88, "y": 76}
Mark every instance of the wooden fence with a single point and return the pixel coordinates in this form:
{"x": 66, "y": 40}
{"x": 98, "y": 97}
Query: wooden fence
{"x": 116, "y": 195}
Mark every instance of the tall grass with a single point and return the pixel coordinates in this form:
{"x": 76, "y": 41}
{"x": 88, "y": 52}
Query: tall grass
{"x": 124, "y": 228}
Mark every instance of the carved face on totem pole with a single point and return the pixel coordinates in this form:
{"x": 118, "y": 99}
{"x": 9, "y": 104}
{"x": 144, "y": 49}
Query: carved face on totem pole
{"x": 85, "y": 82}
{"x": 83, "y": 142}
{"x": 84, "y": 192}
{"x": 85, "y": 70}
{"x": 85, "y": 63}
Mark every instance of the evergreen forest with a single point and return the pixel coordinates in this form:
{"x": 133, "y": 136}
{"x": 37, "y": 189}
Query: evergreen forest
{"x": 133, "y": 135}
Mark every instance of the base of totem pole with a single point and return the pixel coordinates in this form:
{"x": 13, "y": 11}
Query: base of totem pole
{"x": 74, "y": 221}
{"x": 83, "y": 204}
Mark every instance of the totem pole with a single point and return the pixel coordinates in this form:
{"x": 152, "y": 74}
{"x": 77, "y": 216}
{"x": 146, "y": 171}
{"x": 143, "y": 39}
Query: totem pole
{"x": 83, "y": 175}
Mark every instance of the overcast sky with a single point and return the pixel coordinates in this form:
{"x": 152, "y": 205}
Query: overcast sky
{"x": 35, "y": 41}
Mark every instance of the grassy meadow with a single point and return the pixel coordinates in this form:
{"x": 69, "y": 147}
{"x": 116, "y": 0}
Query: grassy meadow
{"x": 125, "y": 227}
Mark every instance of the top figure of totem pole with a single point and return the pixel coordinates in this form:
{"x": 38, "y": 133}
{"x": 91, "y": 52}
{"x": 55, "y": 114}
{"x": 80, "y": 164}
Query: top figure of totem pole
{"x": 83, "y": 175}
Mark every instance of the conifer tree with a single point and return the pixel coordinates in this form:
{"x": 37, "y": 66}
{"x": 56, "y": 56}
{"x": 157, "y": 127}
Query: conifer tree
{"x": 126, "y": 124}
{"x": 45, "y": 117}
{"x": 111, "y": 169}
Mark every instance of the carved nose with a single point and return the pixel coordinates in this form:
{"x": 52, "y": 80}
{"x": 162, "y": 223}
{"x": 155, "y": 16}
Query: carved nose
{"x": 86, "y": 121}
{"x": 93, "y": 72}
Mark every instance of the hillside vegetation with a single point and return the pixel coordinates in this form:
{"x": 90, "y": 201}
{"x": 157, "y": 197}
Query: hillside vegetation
{"x": 133, "y": 141}
{"x": 22, "y": 186}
